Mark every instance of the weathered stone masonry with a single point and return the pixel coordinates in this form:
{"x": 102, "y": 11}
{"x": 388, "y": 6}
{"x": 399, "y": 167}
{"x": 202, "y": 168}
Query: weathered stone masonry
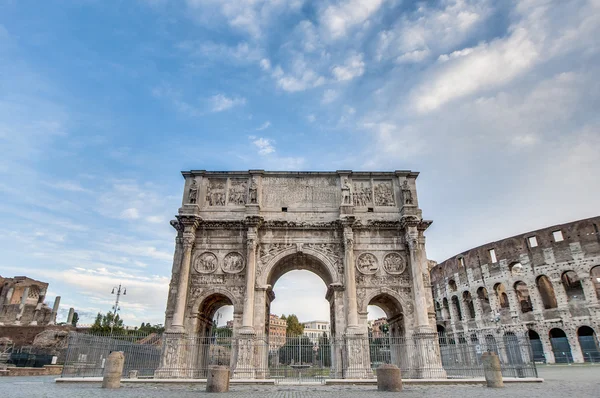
{"x": 545, "y": 282}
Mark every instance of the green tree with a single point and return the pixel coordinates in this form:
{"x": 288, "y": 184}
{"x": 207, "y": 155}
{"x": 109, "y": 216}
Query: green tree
{"x": 147, "y": 328}
{"x": 75, "y": 319}
{"x": 294, "y": 327}
{"x": 103, "y": 323}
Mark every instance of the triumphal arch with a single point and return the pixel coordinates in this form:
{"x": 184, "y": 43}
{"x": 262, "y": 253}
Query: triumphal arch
{"x": 360, "y": 232}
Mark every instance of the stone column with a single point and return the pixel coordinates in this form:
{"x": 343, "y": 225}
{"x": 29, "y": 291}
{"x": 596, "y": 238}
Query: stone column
{"x": 70, "y": 317}
{"x": 175, "y": 270}
{"x": 357, "y": 365}
{"x": 427, "y": 361}
{"x": 189, "y": 236}
{"x": 54, "y": 311}
{"x": 9, "y": 295}
{"x": 22, "y": 305}
{"x": 248, "y": 315}
{"x": 350, "y": 280}
{"x": 38, "y": 307}
{"x": 246, "y": 342}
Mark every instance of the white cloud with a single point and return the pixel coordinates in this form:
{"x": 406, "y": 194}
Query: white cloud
{"x": 430, "y": 29}
{"x": 340, "y": 18}
{"x": 264, "y": 145}
{"x": 130, "y": 214}
{"x": 353, "y": 67}
{"x": 487, "y": 66}
{"x": 221, "y": 102}
{"x": 413, "y": 56}
{"x": 329, "y": 96}
{"x": 264, "y": 126}
{"x": 69, "y": 186}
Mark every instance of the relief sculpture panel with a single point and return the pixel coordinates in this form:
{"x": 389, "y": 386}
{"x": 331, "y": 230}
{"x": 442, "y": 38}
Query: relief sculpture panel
{"x": 394, "y": 263}
{"x": 233, "y": 263}
{"x": 384, "y": 194}
{"x": 363, "y": 195}
{"x": 215, "y": 192}
{"x": 205, "y": 263}
{"x": 367, "y": 263}
{"x": 237, "y": 192}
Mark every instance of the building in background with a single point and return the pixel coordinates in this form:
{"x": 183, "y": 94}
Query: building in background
{"x": 22, "y": 302}
{"x": 314, "y": 330}
{"x": 379, "y": 327}
{"x": 543, "y": 283}
{"x": 277, "y": 331}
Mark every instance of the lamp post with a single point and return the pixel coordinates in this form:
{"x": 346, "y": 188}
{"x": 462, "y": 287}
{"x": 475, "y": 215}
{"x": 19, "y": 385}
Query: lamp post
{"x": 116, "y": 307}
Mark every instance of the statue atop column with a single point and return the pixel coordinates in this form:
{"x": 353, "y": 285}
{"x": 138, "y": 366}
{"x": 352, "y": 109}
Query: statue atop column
{"x": 346, "y": 196}
{"x": 253, "y": 192}
{"x": 193, "y": 192}
{"x": 407, "y": 193}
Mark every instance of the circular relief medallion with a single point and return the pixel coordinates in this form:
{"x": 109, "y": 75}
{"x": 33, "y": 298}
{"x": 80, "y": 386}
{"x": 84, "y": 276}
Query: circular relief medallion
{"x": 367, "y": 263}
{"x": 394, "y": 264}
{"x": 233, "y": 263}
{"x": 206, "y": 263}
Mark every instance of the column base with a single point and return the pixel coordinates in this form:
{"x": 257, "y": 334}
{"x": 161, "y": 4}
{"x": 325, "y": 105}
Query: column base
{"x": 245, "y": 367}
{"x": 357, "y": 364}
{"x": 178, "y": 360}
{"x": 427, "y": 360}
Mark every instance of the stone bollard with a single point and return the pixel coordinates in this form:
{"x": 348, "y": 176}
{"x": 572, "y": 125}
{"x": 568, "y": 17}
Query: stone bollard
{"x": 113, "y": 370}
{"x": 492, "y": 370}
{"x": 218, "y": 379}
{"x": 389, "y": 378}
{"x": 133, "y": 374}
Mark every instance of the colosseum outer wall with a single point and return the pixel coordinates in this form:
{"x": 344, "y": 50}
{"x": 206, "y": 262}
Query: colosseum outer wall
{"x": 545, "y": 283}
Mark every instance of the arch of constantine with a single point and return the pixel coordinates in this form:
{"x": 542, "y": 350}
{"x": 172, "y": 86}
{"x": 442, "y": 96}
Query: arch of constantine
{"x": 360, "y": 232}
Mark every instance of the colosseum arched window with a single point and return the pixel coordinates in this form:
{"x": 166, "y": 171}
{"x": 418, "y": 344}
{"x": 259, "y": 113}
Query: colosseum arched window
{"x": 546, "y": 292}
{"x": 468, "y": 300}
{"x": 595, "y": 275}
{"x": 484, "y": 300}
{"x": 572, "y": 286}
{"x": 452, "y": 285}
{"x": 501, "y": 294}
{"x": 523, "y": 296}
{"x": 445, "y": 309}
{"x": 456, "y": 306}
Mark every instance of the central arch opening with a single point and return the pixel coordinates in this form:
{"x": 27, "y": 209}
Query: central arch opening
{"x": 298, "y": 317}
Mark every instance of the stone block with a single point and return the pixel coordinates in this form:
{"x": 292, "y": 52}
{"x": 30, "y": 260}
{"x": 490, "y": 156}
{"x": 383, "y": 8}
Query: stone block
{"x": 389, "y": 378}
{"x": 492, "y": 370}
{"x": 113, "y": 370}
{"x": 218, "y": 379}
{"x": 133, "y": 374}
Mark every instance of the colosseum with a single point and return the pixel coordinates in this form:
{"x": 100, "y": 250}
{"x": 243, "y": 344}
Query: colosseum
{"x": 544, "y": 284}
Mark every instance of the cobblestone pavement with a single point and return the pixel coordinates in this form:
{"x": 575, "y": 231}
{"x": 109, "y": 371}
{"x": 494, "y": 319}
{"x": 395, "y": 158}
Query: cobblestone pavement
{"x": 561, "y": 381}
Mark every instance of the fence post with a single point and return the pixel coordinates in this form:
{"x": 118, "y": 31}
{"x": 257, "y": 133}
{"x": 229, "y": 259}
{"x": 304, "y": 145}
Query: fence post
{"x": 113, "y": 370}
{"x": 492, "y": 370}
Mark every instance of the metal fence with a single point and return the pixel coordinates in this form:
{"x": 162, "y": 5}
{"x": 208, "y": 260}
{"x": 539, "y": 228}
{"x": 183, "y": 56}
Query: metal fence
{"x": 298, "y": 359}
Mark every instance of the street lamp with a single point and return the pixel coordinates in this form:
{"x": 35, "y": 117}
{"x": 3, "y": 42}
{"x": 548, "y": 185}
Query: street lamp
{"x": 116, "y": 308}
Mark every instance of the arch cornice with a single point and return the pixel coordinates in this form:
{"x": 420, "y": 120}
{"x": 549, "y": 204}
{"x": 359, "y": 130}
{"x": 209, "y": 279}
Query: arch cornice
{"x": 197, "y": 301}
{"x": 267, "y": 269}
{"x": 407, "y": 307}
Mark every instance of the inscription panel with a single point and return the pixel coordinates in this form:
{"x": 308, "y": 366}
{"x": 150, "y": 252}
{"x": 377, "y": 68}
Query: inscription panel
{"x": 301, "y": 191}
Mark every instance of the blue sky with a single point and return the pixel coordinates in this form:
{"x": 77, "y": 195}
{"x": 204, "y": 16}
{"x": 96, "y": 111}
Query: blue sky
{"x": 102, "y": 103}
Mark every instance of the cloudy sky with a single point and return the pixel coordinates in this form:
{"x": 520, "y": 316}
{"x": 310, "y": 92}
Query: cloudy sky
{"x": 103, "y": 103}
